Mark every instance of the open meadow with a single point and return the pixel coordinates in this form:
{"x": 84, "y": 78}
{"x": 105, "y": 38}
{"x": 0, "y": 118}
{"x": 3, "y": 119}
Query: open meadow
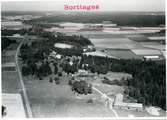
{"x": 51, "y": 100}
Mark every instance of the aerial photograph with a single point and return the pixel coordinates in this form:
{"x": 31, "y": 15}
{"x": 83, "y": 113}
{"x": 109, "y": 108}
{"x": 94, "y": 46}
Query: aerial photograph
{"x": 83, "y": 59}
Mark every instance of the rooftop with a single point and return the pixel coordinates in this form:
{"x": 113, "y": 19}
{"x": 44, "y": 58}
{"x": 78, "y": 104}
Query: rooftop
{"x": 119, "y": 102}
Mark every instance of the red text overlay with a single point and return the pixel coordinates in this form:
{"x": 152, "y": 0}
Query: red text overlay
{"x": 81, "y": 7}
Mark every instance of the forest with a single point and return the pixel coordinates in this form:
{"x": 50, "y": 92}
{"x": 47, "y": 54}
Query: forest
{"x": 35, "y": 56}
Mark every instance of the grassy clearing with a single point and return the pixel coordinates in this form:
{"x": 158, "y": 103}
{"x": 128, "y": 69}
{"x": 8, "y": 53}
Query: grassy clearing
{"x": 51, "y": 100}
{"x": 63, "y": 107}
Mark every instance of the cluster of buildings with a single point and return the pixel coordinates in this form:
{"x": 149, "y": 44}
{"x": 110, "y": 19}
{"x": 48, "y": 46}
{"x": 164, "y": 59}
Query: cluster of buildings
{"x": 120, "y": 104}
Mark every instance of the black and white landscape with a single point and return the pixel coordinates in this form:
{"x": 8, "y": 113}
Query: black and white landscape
{"x": 83, "y": 64}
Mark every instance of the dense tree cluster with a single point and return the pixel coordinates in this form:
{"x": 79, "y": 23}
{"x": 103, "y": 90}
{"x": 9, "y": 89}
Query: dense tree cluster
{"x": 57, "y": 80}
{"x": 81, "y": 87}
{"x": 42, "y": 25}
{"x": 77, "y": 51}
{"x": 148, "y": 83}
{"x": 96, "y": 64}
{"x": 35, "y": 61}
{"x": 75, "y": 40}
{"x": 78, "y": 42}
{"x": 40, "y": 50}
{"x": 25, "y": 53}
{"x": 100, "y": 69}
{"x": 69, "y": 68}
{"x": 7, "y": 32}
{"x": 5, "y": 42}
{"x": 40, "y": 71}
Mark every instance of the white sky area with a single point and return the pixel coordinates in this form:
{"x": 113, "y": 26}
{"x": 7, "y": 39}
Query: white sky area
{"x": 105, "y": 5}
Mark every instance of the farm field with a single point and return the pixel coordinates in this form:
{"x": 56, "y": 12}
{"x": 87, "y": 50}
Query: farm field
{"x": 120, "y": 45}
{"x": 10, "y": 79}
{"x": 146, "y": 52}
{"x": 123, "y": 54}
{"x": 153, "y": 45}
{"x": 115, "y": 43}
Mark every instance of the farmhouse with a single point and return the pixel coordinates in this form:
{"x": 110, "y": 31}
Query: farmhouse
{"x": 119, "y": 104}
